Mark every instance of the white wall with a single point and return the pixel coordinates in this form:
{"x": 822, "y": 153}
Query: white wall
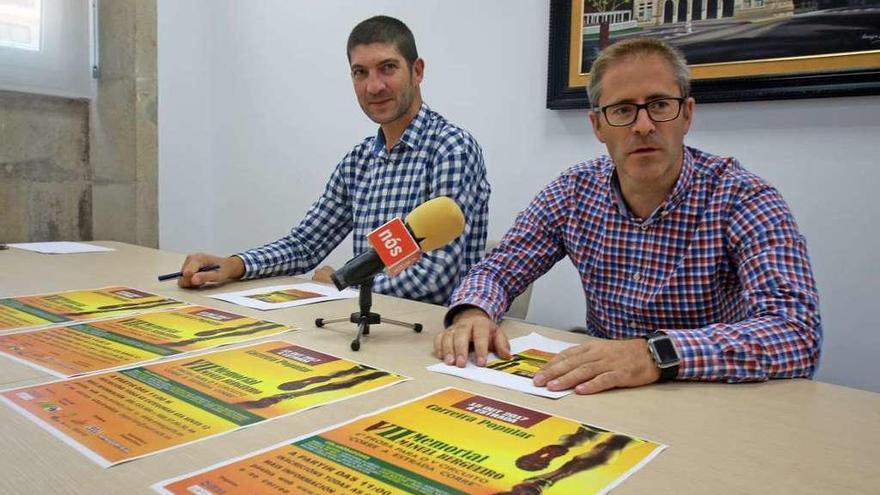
{"x": 256, "y": 108}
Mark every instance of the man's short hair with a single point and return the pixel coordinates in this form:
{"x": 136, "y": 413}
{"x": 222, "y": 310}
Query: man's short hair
{"x": 384, "y": 29}
{"x": 635, "y": 47}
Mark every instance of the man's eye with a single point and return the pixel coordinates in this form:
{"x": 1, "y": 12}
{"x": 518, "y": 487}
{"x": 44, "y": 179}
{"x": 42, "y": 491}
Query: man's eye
{"x": 622, "y": 110}
{"x": 660, "y": 105}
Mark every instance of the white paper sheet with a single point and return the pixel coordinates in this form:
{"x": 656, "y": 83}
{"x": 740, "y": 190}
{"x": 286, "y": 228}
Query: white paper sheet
{"x": 285, "y": 296}
{"x": 60, "y": 247}
{"x": 507, "y": 380}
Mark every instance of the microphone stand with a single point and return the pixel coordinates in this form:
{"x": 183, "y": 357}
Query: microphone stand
{"x": 364, "y": 318}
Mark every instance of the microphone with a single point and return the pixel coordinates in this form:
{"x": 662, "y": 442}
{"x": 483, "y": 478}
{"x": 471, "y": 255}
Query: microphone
{"x": 398, "y": 244}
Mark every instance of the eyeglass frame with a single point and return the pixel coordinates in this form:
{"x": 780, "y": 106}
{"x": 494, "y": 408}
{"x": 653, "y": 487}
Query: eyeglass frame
{"x": 640, "y": 107}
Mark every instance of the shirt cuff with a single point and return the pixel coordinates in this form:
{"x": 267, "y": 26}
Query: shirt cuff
{"x": 460, "y": 306}
{"x": 251, "y": 268}
{"x": 699, "y": 355}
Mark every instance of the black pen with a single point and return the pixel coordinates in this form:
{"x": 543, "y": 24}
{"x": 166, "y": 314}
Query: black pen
{"x": 206, "y": 268}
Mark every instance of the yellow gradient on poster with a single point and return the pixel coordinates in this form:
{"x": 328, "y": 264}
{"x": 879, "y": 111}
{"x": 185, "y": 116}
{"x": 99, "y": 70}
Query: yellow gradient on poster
{"x": 90, "y": 347}
{"x": 78, "y": 305}
{"x": 448, "y": 442}
{"x": 118, "y": 416}
{"x": 524, "y": 363}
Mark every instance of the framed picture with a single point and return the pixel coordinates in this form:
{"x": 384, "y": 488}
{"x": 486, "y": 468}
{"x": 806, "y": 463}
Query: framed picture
{"x": 737, "y": 49}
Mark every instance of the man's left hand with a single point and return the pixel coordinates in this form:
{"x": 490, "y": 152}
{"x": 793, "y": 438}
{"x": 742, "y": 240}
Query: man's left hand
{"x": 600, "y": 365}
{"x": 323, "y": 274}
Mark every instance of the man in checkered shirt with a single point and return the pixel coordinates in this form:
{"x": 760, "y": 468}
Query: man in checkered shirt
{"x": 693, "y": 267}
{"x": 415, "y": 156}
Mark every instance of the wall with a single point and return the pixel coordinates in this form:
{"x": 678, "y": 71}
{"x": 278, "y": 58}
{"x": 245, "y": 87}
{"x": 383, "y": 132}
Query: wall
{"x": 256, "y": 108}
{"x": 124, "y": 131}
{"x": 45, "y": 175}
{"x": 77, "y": 169}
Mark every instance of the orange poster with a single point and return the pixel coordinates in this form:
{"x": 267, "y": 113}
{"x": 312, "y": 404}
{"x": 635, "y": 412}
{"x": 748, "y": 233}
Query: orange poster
{"x": 122, "y": 415}
{"x": 88, "y": 347}
{"x": 78, "y": 305}
{"x": 449, "y": 442}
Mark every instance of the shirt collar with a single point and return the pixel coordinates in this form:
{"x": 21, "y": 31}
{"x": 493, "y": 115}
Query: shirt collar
{"x": 672, "y": 200}
{"x": 412, "y": 135}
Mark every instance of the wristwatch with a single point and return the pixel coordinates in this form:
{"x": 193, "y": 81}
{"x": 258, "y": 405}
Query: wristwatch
{"x": 665, "y": 356}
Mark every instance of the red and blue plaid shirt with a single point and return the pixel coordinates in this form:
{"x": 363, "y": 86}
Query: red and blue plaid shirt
{"x": 720, "y": 266}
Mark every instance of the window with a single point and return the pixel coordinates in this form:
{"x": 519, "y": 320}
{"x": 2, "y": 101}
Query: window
{"x": 45, "y": 47}
{"x": 20, "y": 24}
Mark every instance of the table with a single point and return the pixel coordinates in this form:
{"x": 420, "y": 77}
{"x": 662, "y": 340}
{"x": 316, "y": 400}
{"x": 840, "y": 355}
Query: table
{"x": 778, "y": 437}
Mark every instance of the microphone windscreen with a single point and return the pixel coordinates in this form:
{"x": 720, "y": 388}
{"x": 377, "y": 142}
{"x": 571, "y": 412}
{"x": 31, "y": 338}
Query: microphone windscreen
{"x": 436, "y": 222}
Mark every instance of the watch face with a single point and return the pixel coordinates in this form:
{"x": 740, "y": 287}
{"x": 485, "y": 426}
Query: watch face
{"x": 665, "y": 351}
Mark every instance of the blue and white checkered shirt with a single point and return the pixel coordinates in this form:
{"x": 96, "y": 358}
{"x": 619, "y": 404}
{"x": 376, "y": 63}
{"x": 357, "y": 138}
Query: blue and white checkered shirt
{"x": 372, "y": 185}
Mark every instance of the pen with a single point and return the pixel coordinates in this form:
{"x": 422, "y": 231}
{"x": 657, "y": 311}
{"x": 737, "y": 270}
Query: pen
{"x": 169, "y": 276}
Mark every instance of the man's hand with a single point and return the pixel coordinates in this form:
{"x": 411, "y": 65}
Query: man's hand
{"x": 600, "y": 365}
{"x": 231, "y": 268}
{"x": 472, "y": 325}
{"x": 323, "y": 275}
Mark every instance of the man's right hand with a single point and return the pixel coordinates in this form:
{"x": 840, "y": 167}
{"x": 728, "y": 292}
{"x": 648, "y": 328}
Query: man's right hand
{"x": 231, "y": 268}
{"x": 471, "y": 325}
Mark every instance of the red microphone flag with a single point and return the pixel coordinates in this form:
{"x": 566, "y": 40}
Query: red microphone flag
{"x": 395, "y": 246}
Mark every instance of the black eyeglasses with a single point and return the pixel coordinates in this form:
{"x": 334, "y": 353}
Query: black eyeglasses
{"x": 659, "y": 110}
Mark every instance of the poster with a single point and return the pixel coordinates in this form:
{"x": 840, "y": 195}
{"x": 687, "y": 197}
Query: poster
{"x": 78, "y": 305}
{"x": 449, "y": 442}
{"x": 529, "y": 354}
{"x": 122, "y": 415}
{"x": 123, "y": 342}
{"x": 285, "y": 296}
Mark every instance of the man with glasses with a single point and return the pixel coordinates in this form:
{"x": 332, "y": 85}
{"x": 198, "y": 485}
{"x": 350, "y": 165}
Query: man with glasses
{"x": 693, "y": 267}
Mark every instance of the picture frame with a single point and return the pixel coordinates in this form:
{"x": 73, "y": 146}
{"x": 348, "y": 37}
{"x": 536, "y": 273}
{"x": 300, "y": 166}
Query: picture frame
{"x": 774, "y": 75}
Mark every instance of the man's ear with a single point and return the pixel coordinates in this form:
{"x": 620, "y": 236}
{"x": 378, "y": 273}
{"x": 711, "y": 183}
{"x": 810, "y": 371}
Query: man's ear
{"x": 418, "y": 69}
{"x": 688, "y": 112}
{"x": 596, "y": 120}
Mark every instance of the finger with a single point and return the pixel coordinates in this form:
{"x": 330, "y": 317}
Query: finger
{"x": 563, "y": 362}
{"x": 572, "y": 352}
{"x": 557, "y": 367}
{"x": 191, "y": 265}
{"x": 449, "y": 347}
{"x": 188, "y": 269}
{"x": 438, "y": 345}
{"x": 575, "y": 376}
{"x": 481, "y": 339}
{"x": 502, "y": 344}
{"x": 202, "y": 278}
{"x": 461, "y": 342}
{"x": 185, "y": 282}
{"x": 600, "y": 383}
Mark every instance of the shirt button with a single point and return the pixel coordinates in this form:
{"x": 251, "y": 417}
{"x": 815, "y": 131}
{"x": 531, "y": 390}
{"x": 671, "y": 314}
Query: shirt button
{"x": 636, "y": 277}
{"x": 644, "y": 227}
{"x": 632, "y": 324}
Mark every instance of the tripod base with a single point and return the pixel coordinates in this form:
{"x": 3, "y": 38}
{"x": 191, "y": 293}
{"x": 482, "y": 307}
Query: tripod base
{"x": 364, "y": 318}
{"x": 364, "y": 325}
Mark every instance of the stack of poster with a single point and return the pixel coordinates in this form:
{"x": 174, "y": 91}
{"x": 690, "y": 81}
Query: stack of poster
{"x": 89, "y": 347}
{"x": 122, "y": 415}
{"x": 78, "y": 305}
{"x": 449, "y": 442}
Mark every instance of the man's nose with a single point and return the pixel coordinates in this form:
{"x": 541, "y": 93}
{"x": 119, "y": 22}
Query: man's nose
{"x": 375, "y": 84}
{"x": 643, "y": 123}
